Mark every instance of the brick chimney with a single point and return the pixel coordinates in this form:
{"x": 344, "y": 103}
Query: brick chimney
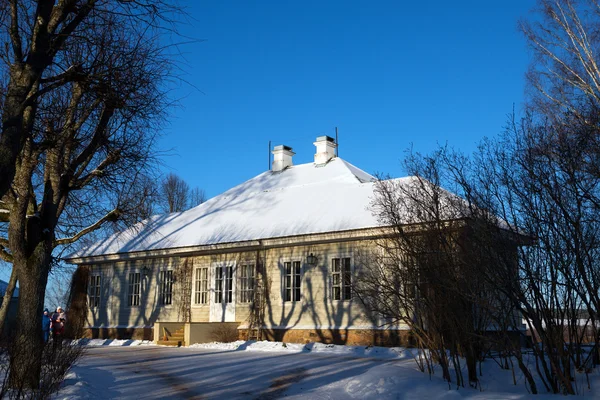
{"x": 325, "y": 149}
{"x": 282, "y": 157}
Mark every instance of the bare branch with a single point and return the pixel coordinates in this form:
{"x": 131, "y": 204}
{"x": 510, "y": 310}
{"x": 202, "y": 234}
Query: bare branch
{"x": 110, "y": 216}
{"x": 15, "y": 37}
{"x": 4, "y": 254}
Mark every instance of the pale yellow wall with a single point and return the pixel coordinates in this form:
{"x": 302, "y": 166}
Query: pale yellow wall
{"x": 316, "y": 308}
{"x": 114, "y": 309}
{"x": 201, "y": 312}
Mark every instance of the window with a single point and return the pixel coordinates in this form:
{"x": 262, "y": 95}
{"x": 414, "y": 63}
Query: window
{"x": 246, "y": 283}
{"x": 410, "y": 276}
{"x": 94, "y": 291}
{"x": 133, "y": 296}
{"x": 341, "y": 278}
{"x": 228, "y": 283}
{"x": 166, "y": 287}
{"x": 224, "y": 284}
{"x": 291, "y": 281}
{"x": 201, "y": 286}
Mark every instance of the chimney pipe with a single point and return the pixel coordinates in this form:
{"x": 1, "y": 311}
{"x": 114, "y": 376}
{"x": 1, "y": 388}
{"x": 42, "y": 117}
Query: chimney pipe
{"x": 282, "y": 157}
{"x": 326, "y": 146}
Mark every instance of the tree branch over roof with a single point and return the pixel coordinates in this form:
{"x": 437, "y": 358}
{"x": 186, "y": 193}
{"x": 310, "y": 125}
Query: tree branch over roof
{"x": 110, "y": 216}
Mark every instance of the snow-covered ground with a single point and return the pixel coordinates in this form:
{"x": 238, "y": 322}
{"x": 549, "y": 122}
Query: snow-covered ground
{"x": 270, "y": 370}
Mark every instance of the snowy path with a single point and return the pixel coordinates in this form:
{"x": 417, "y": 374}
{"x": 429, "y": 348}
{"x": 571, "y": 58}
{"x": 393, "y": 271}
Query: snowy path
{"x": 115, "y": 369}
{"x": 149, "y": 372}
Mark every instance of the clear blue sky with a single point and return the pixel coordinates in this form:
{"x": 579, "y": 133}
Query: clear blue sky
{"x": 388, "y": 75}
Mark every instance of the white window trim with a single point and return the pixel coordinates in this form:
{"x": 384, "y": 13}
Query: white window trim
{"x": 330, "y": 258}
{"x": 213, "y": 282}
{"x": 282, "y": 261}
{"x": 159, "y": 287}
{"x": 133, "y": 271}
{"x": 208, "y": 291}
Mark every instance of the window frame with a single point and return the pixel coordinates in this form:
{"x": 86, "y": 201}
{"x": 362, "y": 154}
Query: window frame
{"x": 131, "y": 295}
{"x": 345, "y": 289}
{"x": 165, "y": 287}
{"x": 295, "y": 280}
{"x": 410, "y": 287}
{"x": 198, "y": 286}
{"x": 246, "y": 282}
{"x": 97, "y": 295}
{"x": 225, "y": 289}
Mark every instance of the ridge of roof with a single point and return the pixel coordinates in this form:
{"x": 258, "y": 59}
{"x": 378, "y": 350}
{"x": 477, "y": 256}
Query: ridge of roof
{"x": 336, "y": 170}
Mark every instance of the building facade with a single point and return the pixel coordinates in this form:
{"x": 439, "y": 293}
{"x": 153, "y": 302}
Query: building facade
{"x": 273, "y": 258}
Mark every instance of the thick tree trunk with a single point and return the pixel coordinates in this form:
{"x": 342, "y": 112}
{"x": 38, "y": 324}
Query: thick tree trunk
{"x": 26, "y": 349}
{"x": 12, "y": 137}
{"x": 10, "y": 289}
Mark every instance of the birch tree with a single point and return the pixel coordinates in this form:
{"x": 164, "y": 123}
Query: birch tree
{"x": 564, "y": 76}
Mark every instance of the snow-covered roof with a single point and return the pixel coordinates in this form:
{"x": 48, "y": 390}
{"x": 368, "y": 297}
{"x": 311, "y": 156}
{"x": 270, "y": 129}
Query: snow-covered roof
{"x": 302, "y": 199}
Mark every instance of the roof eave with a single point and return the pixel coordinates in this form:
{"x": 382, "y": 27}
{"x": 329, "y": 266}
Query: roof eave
{"x": 296, "y": 240}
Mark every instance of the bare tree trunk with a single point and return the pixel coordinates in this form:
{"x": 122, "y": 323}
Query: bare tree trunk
{"x": 25, "y": 360}
{"x": 526, "y": 372}
{"x": 10, "y": 289}
{"x": 95, "y": 71}
{"x": 471, "y": 356}
{"x": 13, "y": 138}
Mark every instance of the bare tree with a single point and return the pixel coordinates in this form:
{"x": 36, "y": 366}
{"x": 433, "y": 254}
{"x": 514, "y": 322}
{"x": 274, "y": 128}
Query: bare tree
{"x": 85, "y": 92}
{"x": 559, "y": 164}
{"x": 174, "y": 194}
{"x": 144, "y": 193}
{"x": 425, "y": 273}
{"x": 197, "y": 197}
{"x": 565, "y": 73}
{"x": 450, "y": 266}
{"x": 57, "y": 290}
{"x": 37, "y": 38}
{"x": 529, "y": 232}
{"x": 542, "y": 179}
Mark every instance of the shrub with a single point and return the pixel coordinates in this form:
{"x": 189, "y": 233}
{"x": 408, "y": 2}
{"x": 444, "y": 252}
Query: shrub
{"x": 224, "y": 333}
{"x": 57, "y": 360}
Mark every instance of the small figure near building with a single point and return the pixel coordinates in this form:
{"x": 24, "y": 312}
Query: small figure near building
{"x": 46, "y": 325}
{"x": 59, "y": 319}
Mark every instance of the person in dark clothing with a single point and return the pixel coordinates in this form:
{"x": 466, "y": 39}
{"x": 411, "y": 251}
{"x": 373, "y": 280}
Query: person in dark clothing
{"x": 46, "y": 325}
{"x": 59, "y": 320}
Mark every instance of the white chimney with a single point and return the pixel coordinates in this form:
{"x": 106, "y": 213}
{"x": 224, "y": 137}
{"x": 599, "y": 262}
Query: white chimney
{"x": 325, "y": 149}
{"x": 282, "y": 157}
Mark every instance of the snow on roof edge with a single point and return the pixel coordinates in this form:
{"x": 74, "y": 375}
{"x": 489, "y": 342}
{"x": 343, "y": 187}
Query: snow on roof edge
{"x": 300, "y": 178}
